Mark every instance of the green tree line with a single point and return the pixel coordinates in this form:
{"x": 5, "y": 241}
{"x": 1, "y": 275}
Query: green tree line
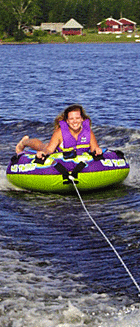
{"x": 14, "y": 14}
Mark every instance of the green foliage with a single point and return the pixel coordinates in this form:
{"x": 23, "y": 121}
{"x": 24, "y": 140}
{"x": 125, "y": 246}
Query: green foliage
{"x": 39, "y": 33}
{"x": 19, "y": 35}
{"x": 39, "y": 36}
{"x": 21, "y": 12}
{"x": 103, "y": 24}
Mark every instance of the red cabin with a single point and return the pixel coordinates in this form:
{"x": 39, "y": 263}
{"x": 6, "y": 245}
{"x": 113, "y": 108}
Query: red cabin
{"x": 110, "y": 25}
{"x": 128, "y": 25}
{"x": 72, "y": 27}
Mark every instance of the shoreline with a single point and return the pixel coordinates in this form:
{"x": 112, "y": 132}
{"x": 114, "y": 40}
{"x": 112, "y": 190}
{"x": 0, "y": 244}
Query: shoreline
{"x": 89, "y": 37}
{"x": 39, "y": 43}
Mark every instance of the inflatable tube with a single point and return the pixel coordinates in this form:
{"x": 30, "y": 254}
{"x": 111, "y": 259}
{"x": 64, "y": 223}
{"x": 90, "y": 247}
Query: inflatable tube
{"x": 89, "y": 172}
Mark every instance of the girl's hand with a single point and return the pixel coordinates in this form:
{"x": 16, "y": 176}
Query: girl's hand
{"x": 98, "y": 151}
{"x": 40, "y": 154}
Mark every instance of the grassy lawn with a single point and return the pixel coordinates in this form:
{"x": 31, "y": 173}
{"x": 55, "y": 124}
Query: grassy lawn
{"x": 93, "y": 37}
{"x": 89, "y": 36}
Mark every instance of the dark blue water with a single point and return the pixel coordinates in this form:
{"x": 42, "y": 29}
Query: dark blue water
{"x": 56, "y": 269}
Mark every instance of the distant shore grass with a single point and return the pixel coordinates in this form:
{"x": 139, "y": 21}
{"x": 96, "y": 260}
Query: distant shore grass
{"x": 89, "y": 36}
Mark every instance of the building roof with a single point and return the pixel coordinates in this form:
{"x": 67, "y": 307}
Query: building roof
{"x": 126, "y": 20}
{"x": 110, "y": 19}
{"x": 52, "y": 26}
{"x": 72, "y": 23}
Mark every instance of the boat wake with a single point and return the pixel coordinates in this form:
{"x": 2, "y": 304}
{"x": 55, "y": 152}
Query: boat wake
{"x": 39, "y": 298}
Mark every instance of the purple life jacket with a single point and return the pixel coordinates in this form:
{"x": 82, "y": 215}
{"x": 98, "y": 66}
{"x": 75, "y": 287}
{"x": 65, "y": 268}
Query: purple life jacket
{"x": 82, "y": 144}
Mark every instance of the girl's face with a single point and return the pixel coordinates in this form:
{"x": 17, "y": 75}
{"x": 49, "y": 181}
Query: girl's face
{"x": 75, "y": 120}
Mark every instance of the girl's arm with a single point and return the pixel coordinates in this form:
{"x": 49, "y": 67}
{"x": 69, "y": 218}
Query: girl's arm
{"x": 56, "y": 139}
{"x": 94, "y": 145}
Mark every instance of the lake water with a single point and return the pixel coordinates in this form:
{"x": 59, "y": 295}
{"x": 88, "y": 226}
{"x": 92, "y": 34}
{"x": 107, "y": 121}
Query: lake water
{"x": 56, "y": 268}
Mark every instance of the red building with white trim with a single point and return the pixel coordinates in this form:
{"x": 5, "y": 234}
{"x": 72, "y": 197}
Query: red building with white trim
{"x": 110, "y": 25}
{"x": 128, "y": 25}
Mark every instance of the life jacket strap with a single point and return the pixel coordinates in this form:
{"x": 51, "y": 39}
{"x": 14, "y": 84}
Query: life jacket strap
{"x": 69, "y": 154}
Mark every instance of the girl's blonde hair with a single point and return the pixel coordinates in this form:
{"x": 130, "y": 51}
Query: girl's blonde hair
{"x": 64, "y": 114}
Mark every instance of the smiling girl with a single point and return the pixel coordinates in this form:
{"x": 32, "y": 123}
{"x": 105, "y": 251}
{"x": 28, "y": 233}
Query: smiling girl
{"x": 72, "y": 133}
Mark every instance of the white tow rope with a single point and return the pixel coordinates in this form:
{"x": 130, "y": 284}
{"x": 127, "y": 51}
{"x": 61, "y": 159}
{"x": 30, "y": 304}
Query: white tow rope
{"x": 106, "y": 238}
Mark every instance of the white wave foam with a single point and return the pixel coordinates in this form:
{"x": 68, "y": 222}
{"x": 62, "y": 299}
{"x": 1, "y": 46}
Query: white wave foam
{"x": 31, "y": 295}
{"x": 135, "y": 136}
{"x": 131, "y": 216}
{"x": 133, "y": 178}
{"x": 5, "y": 185}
